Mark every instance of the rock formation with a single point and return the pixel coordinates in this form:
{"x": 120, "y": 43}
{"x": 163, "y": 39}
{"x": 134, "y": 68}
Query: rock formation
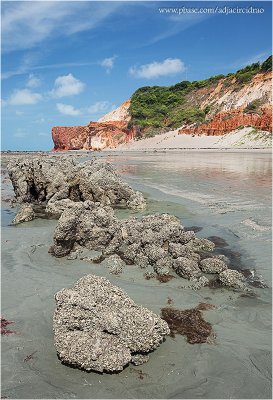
{"x": 53, "y": 179}
{"x": 24, "y": 214}
{"x": 228, "y": 121}
{"x": 154, "y": 242}
{"x": 97, "y": 326}
{"x": 94, "y": 136}
{"x": 110, "y": 131}
{"x": 223, "y": 102}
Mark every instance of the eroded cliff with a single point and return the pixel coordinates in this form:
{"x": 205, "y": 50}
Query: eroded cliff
{"x": 211, "y": 107}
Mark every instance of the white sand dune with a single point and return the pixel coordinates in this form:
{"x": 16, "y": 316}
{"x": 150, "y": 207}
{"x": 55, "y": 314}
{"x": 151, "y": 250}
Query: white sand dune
{"x": 247, "y": 138}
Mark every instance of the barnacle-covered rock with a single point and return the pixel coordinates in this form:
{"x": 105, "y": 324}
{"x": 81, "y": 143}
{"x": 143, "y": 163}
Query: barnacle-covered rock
{"x": 212, "y": 265}
{"x": 24, "y": 214}
{"x": 186, "y": 268}
{"x": 232, "y": 278}
{"x": 98, "y": 327}
{"x": 41, "y": 180}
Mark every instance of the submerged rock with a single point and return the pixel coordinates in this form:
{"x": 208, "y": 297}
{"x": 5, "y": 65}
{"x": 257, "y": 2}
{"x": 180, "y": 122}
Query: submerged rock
{"x": 186, "y": 268}
{"x": 52, "y": 179}
{"x": 151, "y": 241}
{"x": 212, "y": 265}
{"x": 157, "y": 243}
{"x": 98, "y": 327}
{"x": 232, "y": 278}
{"x": 85, "y": 223}
{"x": 115, "y": 264}
{"x": 24, "y": 214}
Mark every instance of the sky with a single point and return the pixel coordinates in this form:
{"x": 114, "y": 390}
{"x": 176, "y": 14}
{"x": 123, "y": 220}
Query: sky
{"x": 69, "y": 63}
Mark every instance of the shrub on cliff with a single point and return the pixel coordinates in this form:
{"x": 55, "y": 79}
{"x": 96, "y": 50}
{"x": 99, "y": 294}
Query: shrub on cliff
{"x": 253, "y": 106}
{"x": 160, "y": 107}
{"x": 267, "y": 65}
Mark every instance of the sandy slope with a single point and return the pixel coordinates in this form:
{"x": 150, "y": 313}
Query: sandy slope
{"x": 242, "y": 138}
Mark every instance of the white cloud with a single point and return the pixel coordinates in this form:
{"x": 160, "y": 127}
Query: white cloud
{"x": 20, "y": 133}
{"x": 108, "y": 63}
{"x": 24, "y": 97}
{"x": 67, "y": 85}
{"x": 19, "y": 112}
{"x": 100, "y": 107}
{"x": 27, "y": 23}
{"x": 170, "y": 66}
{"x": 39, "y": 120}
{"x": 33, "y": 81}
{"x": 43, "y": 134}
{"x": 67, "y": 109}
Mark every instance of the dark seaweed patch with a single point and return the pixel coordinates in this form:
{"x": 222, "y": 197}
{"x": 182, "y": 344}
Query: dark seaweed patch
{"x": 139, "y": 372}
{"x": 164, "y": 278}
{"x": 193, "y": 228}
{"x": 218, "y": 241}
{"x": 189, "y": 323}
{"x": 215, "y": 283}
{"x": 4, "y": 324}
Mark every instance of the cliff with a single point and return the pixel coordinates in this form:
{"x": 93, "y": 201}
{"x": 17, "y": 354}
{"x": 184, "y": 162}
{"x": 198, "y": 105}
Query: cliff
{"x": 227, "y": 121}
{"x": 210, "y": 107}
{"x": 94, "y": 136}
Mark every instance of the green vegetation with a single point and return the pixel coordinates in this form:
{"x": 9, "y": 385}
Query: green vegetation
{"x": 160, "y": 107}
{"x": 267, "y": 65}
{"x": 253, "y": 106}
{"x": 155, "y": 109}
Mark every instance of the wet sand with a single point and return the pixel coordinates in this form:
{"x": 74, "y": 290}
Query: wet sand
{"x": 217, "y": 193}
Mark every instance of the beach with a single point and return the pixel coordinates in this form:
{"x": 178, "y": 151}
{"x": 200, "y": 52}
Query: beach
{"x": 226, "y": 194}
{"x": 241, "y": 139}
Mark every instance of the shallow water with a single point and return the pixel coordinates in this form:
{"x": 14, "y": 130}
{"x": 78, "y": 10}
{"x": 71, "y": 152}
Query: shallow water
{"x": 229, "y": 196}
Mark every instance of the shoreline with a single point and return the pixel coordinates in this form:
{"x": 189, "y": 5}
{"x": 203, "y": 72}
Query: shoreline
{"x": 266, "y": 150}
{"x": 218, "y": 205}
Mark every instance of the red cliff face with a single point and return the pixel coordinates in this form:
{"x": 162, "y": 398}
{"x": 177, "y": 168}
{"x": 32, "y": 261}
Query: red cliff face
{"x": 226, "y": 105}
{"x": 94, "y": 136}
{"x": 227, "y": 121}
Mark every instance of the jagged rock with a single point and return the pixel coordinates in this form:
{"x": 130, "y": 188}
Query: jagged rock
{"x": 48, "y": 180}
{"x": 56, "y": 208}
{"x": 200, "y": 282}
{"x": 200, "y": 244}
{"x": 115, "y": 264}
{"x": 38, "y": 179}
{"x": 212, "y": 265}
{"x": 87, "y": 224}
{"x": 186, "y": 268}
{"x": 152, "y": 241}
{"x": 232, "y": 278}
{"x": 223, "y": 258}
{"x": 98, "y": 327}
{"x": 24, "y": 214}
{"x": 163, "y": 266}
{"x": 139, "y": 359}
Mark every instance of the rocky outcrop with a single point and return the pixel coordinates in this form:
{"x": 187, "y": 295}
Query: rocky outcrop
{"x": 157, "y": 243}
{"x": 221, "y": 103}
{"x": 94, "y": 136}
{"x": 97, "y": 326}
{"x": 48, "y": 180}
{"x": 228, "y": 121}
{"x": 24, "y": 214}
{"x": 120, "y": 114}
{"x": 110, "y": 131}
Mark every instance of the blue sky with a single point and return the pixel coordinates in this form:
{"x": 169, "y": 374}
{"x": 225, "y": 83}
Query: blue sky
{"x": 67, "y": 63}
